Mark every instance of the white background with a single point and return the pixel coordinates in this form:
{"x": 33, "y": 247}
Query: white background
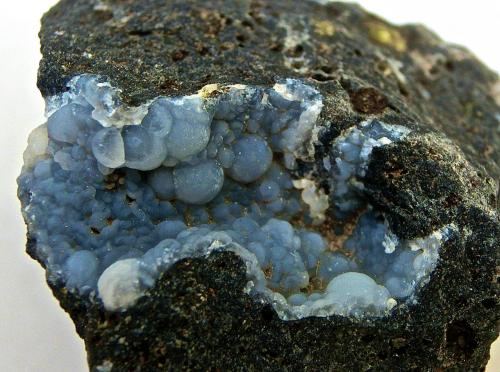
{"x": 35, "y": 334}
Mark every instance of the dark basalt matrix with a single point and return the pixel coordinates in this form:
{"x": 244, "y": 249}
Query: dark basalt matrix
{"x": 264, "y": 185}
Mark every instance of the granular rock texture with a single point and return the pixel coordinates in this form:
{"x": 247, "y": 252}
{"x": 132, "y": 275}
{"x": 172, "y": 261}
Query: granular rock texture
{"x": 373, "y": 161}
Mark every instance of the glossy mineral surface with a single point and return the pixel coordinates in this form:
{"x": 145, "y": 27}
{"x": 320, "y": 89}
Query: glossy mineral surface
{"x": 116, "y": 195}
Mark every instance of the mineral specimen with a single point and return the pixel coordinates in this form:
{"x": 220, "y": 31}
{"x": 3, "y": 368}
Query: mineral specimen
{"x": 286, "y": 200}
{"x": 209, "y": 182}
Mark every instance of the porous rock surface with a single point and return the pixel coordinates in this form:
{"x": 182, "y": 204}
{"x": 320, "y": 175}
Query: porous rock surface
{"x": 197, "y": 316}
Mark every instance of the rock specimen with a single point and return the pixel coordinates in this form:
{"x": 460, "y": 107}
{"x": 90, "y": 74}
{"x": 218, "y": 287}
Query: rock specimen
{"x": 264, "y": 185}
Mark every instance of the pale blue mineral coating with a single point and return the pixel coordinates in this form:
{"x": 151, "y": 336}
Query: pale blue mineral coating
{"x": 120, "y": 194}
{"x": 199, "y": 183}
{"x": 252, "y": 158}
{"x": 161, "y": 181}
{"x": 108, "y": 147}
{"x": 191, "y": 130}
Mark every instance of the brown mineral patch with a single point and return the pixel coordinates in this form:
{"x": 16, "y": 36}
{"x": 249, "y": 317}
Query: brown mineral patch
{"x": 335, "y": 241}
{"x": 369, "y": 101}
{"x": 328, "y": 229}
{"x": 179, "y": 55}
{"x": 315, "y": 285}
{"x": 114, "y": 180}
{"x": 268, "y": 272}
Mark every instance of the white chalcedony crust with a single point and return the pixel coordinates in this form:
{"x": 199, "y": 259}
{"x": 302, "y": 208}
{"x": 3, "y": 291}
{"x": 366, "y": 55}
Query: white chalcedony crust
{"x": 38, "y": 141}
{"x": 119, "y": 194}
{"x": 314, "y": 197}
{"x": 120, "y": 285}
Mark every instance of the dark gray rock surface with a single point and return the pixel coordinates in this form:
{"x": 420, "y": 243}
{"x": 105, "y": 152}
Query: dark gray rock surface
{"x": 197, "y": 316}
